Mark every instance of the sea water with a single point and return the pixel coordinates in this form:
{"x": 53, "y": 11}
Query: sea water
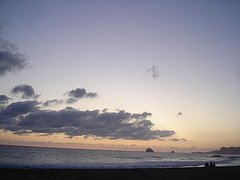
{"x": 39, "y": 157}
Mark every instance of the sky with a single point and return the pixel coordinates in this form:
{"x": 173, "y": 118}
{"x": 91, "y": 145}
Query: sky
{"x": 120, "y": 75}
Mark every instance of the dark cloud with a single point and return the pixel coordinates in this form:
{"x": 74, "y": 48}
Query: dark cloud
{"x": 10, "y": 115}
{"x": 53, "y": 102}
{"x": 78, "y": 93}
{"x": 26, "y": 91}
{"x": 10, "y": 59}
{"x": 4, "y": 99}
{"x": 154, "y": 71}
{"x": 21, "y": 108}
{"x": 26, "y": 117}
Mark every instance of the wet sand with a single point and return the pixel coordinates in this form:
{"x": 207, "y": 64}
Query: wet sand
{"x": 130, "y": 174}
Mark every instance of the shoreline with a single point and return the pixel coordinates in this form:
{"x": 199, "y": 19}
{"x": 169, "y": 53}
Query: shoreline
{"x": 226, "y": 172}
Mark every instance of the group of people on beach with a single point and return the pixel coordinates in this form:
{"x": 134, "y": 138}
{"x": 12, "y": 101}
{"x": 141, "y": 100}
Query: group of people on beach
{"x": 211, "y": 164}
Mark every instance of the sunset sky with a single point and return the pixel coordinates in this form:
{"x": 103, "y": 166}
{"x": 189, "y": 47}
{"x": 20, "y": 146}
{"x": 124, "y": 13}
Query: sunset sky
{"x": 122, "y": 75}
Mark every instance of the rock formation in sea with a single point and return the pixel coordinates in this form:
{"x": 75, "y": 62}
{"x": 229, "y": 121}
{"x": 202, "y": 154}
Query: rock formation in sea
{"x": 149, "y": 150}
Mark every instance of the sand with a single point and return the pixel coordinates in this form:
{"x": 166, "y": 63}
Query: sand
{"x": 229, "y": 173}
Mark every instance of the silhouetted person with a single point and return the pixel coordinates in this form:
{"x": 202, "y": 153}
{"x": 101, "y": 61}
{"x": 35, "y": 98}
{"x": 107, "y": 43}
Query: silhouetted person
{"x": 212, "y": 164}
{"x": 206, "y": 165}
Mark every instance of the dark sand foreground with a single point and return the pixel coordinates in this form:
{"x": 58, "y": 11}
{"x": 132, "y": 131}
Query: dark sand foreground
{"x": 131, "y": 174}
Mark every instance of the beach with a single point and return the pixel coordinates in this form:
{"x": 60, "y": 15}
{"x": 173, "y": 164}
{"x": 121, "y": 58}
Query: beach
{"x": 131, "y": 174}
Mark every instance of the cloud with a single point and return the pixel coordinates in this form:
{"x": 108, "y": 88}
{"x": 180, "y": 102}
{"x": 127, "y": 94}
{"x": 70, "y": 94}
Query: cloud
{"x": 141, "y": 116}
{"x": 154, "y": 71}
{"x": 179, "y": 114}
{"x": 53, "y": 102}
{"x": 10, "y": 115}
{"x": 71, "y": 100}
{"x": 10, "y": 59}
{"x": 183, "y": 140}
{"x": 26, "y": 117}
{"x": 21, "y": 108}
{"x": 26, "y": 91}
{"x": 78, "y": 93}
{"x": 4, "y": 99}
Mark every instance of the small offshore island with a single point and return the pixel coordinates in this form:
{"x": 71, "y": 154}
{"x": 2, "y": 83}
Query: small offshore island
{"x": 149, "y": 150}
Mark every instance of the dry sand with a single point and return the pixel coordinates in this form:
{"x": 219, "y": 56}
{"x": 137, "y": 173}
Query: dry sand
{"x": 229, "y": 173}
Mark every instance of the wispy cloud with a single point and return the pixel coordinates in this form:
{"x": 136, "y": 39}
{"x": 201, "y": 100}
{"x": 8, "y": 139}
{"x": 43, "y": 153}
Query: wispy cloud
{"x": 179, "y": 114}
{"x": 154, "y": 71}
{"x": 53, "y": 102}
{"x": 183, "y": 140}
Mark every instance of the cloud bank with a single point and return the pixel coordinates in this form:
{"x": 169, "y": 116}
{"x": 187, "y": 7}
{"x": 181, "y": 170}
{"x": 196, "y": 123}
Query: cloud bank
{"x": 27, "y": 117}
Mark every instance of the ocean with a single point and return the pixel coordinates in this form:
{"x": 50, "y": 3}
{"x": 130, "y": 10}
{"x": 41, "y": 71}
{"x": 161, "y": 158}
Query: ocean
{"x": 39, "y": 157}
